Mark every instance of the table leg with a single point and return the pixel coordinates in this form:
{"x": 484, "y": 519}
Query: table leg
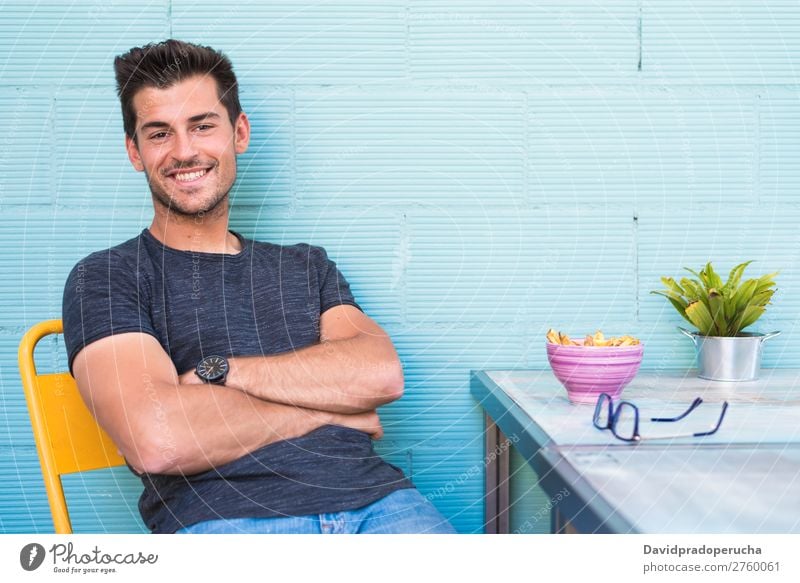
{"x": 496, "y": 495}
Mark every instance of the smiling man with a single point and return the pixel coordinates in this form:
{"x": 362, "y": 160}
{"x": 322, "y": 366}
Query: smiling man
{"x": 240, "y": 379}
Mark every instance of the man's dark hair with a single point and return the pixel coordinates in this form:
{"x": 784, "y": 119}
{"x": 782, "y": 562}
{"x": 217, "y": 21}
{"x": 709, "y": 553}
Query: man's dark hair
{"x": 163, "y": 64}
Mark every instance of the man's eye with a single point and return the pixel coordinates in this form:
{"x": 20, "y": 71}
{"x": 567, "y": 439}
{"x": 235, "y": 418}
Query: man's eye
{"x": 204, "y": 127}
{"x": 159, "y": 136}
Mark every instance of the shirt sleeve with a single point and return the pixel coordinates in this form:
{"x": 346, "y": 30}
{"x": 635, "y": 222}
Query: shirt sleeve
{"x": 104, "y": 295}
{"x": 333, "y": 287}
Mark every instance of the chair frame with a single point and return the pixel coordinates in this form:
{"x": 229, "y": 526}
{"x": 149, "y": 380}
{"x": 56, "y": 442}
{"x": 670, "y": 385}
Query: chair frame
{"x": 68, "y": 438}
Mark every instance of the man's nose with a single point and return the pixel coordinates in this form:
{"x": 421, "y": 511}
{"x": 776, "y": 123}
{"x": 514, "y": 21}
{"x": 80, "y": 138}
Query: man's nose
{"x": 184, "y": 147}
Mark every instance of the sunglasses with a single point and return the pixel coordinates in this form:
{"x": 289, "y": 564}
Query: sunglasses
{"x": 622, "y": 419}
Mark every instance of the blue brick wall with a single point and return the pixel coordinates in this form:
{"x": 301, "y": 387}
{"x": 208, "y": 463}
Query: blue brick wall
{"x": 481, "y": 171}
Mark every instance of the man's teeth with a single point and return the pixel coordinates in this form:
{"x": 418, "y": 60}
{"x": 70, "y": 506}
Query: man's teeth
{"x": 190, "y": 175}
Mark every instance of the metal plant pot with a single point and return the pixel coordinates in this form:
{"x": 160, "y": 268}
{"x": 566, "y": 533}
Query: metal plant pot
{"x": 728, "y": 358}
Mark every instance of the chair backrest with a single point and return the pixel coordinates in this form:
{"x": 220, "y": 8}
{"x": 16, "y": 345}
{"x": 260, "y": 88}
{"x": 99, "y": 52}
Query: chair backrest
{"x": 67, "y": 436}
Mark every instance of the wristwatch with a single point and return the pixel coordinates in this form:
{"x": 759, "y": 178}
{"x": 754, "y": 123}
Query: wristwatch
{"x": 213, "y": 369}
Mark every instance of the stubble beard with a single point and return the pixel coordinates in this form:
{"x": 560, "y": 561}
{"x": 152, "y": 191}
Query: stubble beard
{"x": 163, "y": 199}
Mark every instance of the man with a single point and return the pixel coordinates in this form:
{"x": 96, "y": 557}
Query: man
{"x": 239, "y": 379}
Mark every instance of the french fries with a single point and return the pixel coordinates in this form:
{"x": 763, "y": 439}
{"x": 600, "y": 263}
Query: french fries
{"x": 554, "y": 337}
{"x": 596, "y": 339}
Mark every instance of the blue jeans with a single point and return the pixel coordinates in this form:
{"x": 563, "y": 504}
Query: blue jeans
{"x": 401, "y": 512}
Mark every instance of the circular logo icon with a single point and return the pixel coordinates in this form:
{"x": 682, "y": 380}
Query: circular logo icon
{"x": 31, "y": 556}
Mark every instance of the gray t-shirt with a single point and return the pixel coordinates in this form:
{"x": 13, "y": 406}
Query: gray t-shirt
{"x": 264, "y": 300}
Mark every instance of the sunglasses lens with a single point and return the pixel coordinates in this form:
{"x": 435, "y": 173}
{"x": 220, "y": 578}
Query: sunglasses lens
{"x": 602, "y": 412}
{"x": 625, "y": 421}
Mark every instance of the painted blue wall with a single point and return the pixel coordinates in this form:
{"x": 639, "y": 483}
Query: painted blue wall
{"x": 481, "y": 171}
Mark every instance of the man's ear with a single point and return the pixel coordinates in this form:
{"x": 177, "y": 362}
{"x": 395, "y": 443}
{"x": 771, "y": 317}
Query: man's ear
{"x": 241, "y": 134}
{"x": 133, "y": 154}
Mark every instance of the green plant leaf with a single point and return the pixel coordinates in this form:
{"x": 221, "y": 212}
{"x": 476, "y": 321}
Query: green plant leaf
{"x": 669, "y": 294}
{"x": 744, "y": 294}
{"x": 729, "y": 304}
{"x": 713, "y": 280}
{"x": 762, "y": 298}
{"x": 676, "y": 300}
{"x": 694, "y": 289}
{"x": 717, "y": 309}
{"x": 681, "y": 310}
{"x": 749, "y": 316}
{"x": 735, "y": 276}
{"x": 698, "y": 314}
{"x": 765, "y": 282}
{"x": 693, "y": 272}
{"x": 672, "y": 285}
{"x": 704, "y": 278}
{"x": 698, "y": 289}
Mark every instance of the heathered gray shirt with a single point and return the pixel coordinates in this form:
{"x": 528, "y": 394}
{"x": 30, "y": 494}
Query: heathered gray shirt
{"x": 266, "y": 299}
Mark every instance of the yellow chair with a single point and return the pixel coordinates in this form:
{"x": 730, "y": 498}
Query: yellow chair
{"x": 68, "y": 438}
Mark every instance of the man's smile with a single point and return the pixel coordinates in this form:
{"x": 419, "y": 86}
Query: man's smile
{"x": 190, "y": 176}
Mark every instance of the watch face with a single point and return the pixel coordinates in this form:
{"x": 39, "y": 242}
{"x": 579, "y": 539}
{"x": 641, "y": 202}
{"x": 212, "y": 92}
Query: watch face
{"x": 212, "y": 368}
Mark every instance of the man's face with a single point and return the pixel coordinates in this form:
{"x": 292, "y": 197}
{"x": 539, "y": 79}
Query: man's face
{"x": 186, "y": 145}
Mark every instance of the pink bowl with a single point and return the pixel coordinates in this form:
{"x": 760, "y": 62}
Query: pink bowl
{"x": 587, "y": 371}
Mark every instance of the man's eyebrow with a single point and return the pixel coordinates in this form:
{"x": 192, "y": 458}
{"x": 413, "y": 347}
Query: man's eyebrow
{"x": 154, "y": 124}
{"x": 193, "y": 119}
{"x": 204, "y": 116}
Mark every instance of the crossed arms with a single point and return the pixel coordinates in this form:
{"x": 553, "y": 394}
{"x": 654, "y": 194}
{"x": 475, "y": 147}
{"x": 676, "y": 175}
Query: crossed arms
{"x": 164, "y": 423}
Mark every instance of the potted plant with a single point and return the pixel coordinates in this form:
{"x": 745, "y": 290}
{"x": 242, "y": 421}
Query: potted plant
{"x": 720, "y": 311}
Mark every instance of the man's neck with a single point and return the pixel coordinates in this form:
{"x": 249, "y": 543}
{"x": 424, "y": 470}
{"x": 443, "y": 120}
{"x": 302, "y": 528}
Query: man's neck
{"x": 201, "y": 234}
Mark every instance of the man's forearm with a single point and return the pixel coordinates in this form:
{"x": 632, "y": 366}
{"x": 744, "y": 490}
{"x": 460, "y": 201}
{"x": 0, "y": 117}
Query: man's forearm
{"x": 164, "y": 423}
{"x": 193, "y": 428}
{"x": 344, "y": 376}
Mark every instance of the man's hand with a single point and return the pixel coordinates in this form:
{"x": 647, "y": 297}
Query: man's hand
{"x": 190, "y": 378}
{"x": 354, "y": 368}
{"x": 368, "y": 421}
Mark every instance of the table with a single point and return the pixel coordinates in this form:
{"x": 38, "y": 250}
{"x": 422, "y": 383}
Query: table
{"x": 743, "y": 479}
